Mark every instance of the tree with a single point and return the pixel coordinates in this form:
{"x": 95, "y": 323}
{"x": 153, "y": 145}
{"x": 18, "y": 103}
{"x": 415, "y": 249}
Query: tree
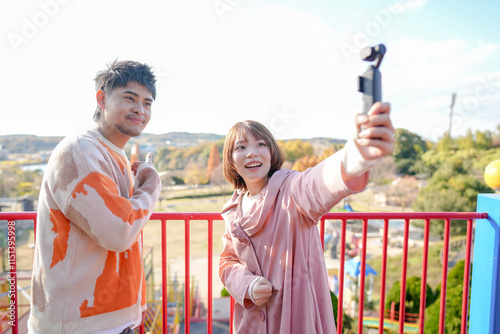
{"x": 305, "y": 162}
{"x": 454, "y": 295}
{"x": 404, "y": 190}
{"x": 295, "y": 149}
{"x": 412, "y": 300}
{"x": 453, "y": 187}
{"x": 408, "y": 149}
{"x": 484, "y": 140}
{"x": 384, "y": 172}
{"x": 445, "y": 143}
{"x": 347, "y": 321}
{"x": 217, "y": 178}
{"x": 467, "y": 142}
{"x": 195, "y": 174}
{"x": 213, "y": 160}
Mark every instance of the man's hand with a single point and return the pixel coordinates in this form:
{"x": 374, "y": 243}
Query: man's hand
{"x": 148, "y": 160}
{"x": 261, "y": 291}
{"x": 374, "y": 132}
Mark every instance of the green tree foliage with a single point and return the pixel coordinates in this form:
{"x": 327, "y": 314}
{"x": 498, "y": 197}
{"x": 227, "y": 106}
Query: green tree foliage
{"x": 457, "y": 179}
{"x": 412, "y": 300}
{"x": 14, "y": 182}
{"x": 347, "y": 321}
{"x": 408, "y": 149}
{"x": 454, "y": 297}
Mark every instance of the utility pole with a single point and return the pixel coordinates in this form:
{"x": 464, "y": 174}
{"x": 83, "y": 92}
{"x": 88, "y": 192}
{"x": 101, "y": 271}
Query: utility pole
{"x": 453, "y": 97}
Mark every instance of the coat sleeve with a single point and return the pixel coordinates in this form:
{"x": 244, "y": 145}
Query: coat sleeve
{"x": 317, "y": 190}
{"x": 233, "y": 273}
{"x": 93, "y": 201}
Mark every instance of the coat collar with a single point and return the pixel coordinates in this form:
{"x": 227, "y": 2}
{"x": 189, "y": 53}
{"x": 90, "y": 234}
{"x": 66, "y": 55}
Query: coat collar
{"x": 255, "y": 218}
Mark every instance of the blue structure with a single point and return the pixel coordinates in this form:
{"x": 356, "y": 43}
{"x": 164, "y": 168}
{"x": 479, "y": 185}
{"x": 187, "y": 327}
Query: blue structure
{"x": 353, "y": 267}
{"x": 485, "y": 292}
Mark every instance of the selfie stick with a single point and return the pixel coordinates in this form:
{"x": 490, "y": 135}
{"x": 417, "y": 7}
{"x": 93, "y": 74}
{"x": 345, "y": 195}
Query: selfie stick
{"x": 370, "y": 83}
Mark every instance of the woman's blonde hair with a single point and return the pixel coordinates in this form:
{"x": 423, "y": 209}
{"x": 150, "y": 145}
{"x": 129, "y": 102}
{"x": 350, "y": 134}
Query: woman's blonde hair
{"x": 259, "y": 131}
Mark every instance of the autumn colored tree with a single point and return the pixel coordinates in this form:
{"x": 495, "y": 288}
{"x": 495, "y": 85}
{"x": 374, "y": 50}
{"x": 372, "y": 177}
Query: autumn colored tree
{"x": 135, "y": 153}
{"x": 195, "y": 174}
{"x": 213, "y": 160}
{"x": 404, "y": 191}
{"x": 295, "y": 149}
{"x": 305, "y": 162}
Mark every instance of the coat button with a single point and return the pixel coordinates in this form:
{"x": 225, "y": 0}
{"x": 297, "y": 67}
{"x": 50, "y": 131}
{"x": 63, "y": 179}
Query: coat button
{"x": 262, "y": 316}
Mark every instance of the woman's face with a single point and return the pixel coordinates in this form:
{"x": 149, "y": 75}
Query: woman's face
{"x": 252, "y": 160}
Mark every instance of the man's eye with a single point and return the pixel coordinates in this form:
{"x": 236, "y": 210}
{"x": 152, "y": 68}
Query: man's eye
{"x": 130, "y": 98}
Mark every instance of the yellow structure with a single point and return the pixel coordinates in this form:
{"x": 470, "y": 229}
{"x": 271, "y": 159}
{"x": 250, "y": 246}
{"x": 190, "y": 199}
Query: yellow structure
{"x": 492, "y": 175}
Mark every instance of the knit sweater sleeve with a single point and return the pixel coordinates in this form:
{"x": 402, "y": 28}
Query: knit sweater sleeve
{"x": 100, "y": 202}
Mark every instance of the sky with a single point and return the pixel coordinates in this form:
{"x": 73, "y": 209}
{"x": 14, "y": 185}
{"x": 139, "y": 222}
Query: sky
{"x": 291, "y": 65}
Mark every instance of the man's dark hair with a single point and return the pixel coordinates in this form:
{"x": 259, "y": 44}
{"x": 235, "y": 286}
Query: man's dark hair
{"x": 119, "y": 74}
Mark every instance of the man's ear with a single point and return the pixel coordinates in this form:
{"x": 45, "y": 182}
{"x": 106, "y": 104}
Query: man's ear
{"x": 101, "y": 98}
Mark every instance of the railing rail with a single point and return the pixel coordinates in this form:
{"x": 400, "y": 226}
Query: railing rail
{"x": 344, "y": 217}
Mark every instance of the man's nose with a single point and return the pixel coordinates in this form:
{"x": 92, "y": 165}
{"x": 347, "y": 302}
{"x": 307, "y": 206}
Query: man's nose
{"x": 139, "y": 109}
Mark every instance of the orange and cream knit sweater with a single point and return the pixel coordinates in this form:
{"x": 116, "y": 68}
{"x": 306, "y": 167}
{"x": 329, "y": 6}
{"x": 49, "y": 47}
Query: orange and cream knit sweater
{"x": 88, "y": 272}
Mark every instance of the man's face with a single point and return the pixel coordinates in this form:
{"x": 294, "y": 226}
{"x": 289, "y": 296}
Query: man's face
{"x": 125, "y": 112}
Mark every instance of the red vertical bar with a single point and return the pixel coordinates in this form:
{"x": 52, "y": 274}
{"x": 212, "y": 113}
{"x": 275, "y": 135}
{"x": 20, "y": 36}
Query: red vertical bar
{"x": 164, "y": 297}
{"x": 362, "y": 277}
{"x": 11, "y": 254}
{"x": 187, "y": 285}
{"x": 231, "y": 315}
{"x": 322, "y": 233}
{"x": 423, "y": 286}
{"x": 465, "y": 297}
{"x": 444, "y": 276}
{"x": 340, "y": 306}
{"x": 383, "y": 278}
{"x": 402, "y": 297}
{"x": 210, "y": 260}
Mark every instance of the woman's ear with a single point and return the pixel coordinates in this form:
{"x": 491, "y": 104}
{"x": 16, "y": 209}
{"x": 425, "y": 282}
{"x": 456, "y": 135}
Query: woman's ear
{"x": 101, "y": 99}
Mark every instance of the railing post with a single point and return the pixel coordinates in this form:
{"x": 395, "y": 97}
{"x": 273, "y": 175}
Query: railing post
{"x": 485, "y": 298}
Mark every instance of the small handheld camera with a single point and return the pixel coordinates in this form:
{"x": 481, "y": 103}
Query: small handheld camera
{"x": 370, "y": 83}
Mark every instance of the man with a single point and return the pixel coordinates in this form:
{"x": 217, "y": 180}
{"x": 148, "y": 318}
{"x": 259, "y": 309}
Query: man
{"x": 88, "y": 275}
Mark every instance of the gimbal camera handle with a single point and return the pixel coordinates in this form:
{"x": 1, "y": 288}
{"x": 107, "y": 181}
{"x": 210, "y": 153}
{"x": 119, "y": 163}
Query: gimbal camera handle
{"x": 370, "y": 83}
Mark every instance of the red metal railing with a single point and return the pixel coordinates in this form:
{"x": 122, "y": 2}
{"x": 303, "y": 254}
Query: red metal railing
{"x": 343, "y": 217}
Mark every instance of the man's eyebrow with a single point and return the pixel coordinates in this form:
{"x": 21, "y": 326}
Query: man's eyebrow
{"x": 136, "y": 95}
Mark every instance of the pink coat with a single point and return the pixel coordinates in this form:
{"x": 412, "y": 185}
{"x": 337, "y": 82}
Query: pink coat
{"x": 279, "y": 240}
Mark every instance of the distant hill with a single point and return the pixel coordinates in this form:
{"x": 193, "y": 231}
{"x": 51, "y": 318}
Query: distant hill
{"x": 175, "y": 139}
{"x": 30, "y": 144}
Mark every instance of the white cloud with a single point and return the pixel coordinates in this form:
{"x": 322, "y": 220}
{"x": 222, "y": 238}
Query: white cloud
{"x": 281, "y": 66}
